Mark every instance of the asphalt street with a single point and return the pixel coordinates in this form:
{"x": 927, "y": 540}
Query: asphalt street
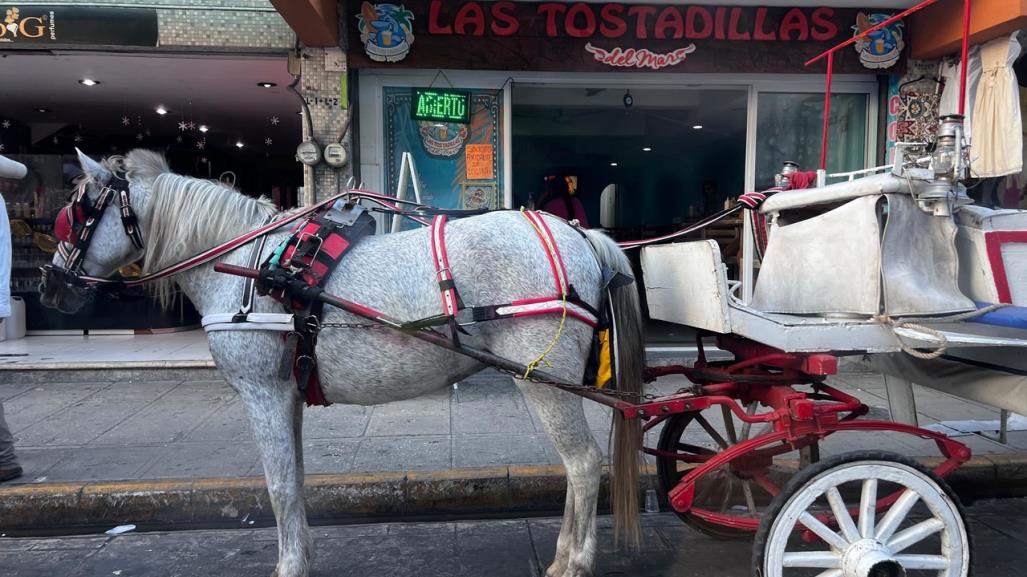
{"x": 493, "y": 548}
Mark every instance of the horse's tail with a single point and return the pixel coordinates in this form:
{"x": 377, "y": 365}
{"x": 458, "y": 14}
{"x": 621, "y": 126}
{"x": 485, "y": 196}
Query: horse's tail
{"x": 629, "y": 354}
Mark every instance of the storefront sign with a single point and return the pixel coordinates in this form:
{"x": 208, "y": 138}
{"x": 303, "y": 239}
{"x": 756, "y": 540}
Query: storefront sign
{"x": 449, "y": 156}
{"x": 440, "y": 105}
{"x": 578, "y": 36}
{"x": 32, "y": 25}
{"x": 479, "y": 162}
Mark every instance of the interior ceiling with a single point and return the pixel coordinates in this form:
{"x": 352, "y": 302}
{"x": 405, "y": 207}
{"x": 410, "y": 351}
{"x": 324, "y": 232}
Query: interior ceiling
{"x": 221, "y": 93}
{"x": 598, "y": 111}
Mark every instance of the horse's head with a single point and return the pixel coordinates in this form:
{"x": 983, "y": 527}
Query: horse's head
{"x": 95, "y": 239}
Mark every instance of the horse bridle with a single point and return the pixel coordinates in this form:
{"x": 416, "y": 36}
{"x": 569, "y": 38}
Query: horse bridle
{"x": 77, "y": 222}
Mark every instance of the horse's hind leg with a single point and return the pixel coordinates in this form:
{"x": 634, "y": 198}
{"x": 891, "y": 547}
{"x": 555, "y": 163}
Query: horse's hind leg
{"x": 274, "y": 418}
{"x": 562, "y": 416}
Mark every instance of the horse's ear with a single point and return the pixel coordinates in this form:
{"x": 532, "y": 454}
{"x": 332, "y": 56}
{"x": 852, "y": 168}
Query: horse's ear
{"x": 92, "y": 168}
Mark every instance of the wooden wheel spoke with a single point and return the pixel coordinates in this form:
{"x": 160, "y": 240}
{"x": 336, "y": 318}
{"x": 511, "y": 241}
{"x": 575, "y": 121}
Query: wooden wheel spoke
{"x": 695, "y": 449}
{"x": 750, "y": 410}
{"x": 725, "y": 501}
{"x": 713, "y": 433}
{"x": 750, "y": 501}
{"x": 729, "y": 424}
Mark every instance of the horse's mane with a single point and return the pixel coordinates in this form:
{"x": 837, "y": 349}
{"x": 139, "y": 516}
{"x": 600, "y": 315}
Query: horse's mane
{"x": 185, "y": 215}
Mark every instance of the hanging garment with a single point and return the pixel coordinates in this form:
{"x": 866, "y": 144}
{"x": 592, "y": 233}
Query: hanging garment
{"x": 997, "y": 146}
{"x": 949, "y": 103}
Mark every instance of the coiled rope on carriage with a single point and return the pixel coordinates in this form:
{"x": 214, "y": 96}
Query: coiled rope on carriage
{"x": 942, "y": 347}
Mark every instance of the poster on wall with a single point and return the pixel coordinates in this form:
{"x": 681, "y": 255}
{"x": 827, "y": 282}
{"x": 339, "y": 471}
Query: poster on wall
{"x": 457, "y": 163}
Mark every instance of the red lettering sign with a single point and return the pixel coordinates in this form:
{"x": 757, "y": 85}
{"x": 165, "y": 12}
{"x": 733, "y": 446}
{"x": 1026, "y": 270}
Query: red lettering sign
{"x": 503, "y": 35}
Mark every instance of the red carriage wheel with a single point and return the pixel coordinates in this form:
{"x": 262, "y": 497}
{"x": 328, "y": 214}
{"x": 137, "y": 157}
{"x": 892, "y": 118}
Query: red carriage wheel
{"x": 729, "y": 500}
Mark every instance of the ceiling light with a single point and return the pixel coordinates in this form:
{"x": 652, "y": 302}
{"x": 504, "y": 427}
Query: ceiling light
{"x": 613, "y": 164}
{"x": 266, "y": 84}
{"x": 44, "y": 110}
{"x": 647, "y": 149}
{"x": 203, "y": 128}
{"x": 88, "y": 82}
{"x": 161, "y": 110}
{"x": 239, "y": 144}
{"x": 697, "y": 127}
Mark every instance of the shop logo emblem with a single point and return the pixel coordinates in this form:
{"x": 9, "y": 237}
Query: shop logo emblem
{"x": 15, "y": 26}
{"x": 639, "y": 58}
{"x": 386, "y": 31}
{"x": 880, "y": 49}
{"x": 442, "y": 139}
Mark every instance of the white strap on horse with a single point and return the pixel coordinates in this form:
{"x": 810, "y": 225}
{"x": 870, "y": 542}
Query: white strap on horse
{"x": 277, "y": 322}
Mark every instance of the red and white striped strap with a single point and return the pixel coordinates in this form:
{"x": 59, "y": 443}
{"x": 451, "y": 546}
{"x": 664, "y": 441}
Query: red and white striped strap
{"x": 546, "y": 306}
{"x": 552, "y": 252}
{"x": 450, "y": 301}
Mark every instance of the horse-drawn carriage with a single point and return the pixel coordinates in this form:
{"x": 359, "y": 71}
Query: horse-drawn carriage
{"x": 895, "y": 263}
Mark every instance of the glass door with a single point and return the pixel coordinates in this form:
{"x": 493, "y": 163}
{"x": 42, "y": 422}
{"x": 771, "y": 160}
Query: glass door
{"x": 789, "y": 126}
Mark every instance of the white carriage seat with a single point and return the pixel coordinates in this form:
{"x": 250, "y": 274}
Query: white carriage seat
{"x": 992, "y": 247}
{"x": 876, "y": 253}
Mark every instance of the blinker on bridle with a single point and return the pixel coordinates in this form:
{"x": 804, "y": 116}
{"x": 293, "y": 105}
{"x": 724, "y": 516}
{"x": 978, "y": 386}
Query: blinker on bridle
{"x": 77, "y": 222}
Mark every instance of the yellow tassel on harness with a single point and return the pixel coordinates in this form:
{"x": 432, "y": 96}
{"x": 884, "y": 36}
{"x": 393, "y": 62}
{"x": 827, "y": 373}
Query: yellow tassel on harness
{"x": 605, "y": 373}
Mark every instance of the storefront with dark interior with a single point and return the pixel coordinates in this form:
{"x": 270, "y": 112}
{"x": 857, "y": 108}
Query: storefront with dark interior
{"x": 657, "y": 114}
{"x": 673, "y": 109}
{"x": 108, "y": 88}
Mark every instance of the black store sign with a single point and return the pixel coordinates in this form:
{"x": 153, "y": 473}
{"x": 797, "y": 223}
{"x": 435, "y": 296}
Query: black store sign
{"x": 34, "y": 26}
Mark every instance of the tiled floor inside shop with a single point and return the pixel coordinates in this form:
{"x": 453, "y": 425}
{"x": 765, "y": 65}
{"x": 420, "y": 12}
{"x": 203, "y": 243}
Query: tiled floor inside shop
{"x": 187, "y": 348}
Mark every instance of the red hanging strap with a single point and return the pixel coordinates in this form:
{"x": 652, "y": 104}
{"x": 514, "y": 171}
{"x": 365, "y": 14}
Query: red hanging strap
{"x": 447, "y": 287}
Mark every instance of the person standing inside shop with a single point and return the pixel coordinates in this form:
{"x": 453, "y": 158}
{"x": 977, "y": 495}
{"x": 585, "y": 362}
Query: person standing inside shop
{"x": 9, "y": 467}
{"x": 559, "y": 198}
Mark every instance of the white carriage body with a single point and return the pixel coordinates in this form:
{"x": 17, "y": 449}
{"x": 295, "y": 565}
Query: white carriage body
{"x": 992, "y": 246}
{"x": 825, "y": 280}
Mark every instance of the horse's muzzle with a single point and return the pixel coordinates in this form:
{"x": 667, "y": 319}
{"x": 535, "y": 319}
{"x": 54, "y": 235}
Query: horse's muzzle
{"x": 62, "y": 290}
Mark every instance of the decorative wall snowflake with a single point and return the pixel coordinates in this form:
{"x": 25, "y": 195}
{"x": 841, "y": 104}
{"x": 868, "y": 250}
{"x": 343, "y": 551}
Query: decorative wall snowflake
{"x": 201, "y": 143}
{"x": 78, "y": 138}
{"x": 274, "y": 120}
{"x": 182, "y": 125}
{"x": 192, "y": 125}
{"x": 267, "y": 141}
{"x": 6, "y": 123}
{"x": 178, "y": 139}
{"x": 125, "y": 121}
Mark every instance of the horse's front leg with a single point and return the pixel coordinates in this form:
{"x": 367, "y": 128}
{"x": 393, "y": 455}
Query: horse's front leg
{"x": 274, "y": 417}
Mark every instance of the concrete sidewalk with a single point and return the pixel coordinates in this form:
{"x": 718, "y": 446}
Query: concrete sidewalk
{"x": 180, "y": 451}
{"x": 150, "y": 430}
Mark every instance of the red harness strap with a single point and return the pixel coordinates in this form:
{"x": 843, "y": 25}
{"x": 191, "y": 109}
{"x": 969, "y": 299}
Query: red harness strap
{"x": 547, "y": 305}
{"x": 310, "y": 254}
{"x": 450, "y": 299}
{"x": 552, "y": 251}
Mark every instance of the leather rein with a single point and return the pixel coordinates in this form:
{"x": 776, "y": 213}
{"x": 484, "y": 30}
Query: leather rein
{"x": 91, "y": 213}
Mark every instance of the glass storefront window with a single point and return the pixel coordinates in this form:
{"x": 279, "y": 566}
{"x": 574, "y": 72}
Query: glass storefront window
{"x": 459, "y": 165}
{"x": 790, "y": 126}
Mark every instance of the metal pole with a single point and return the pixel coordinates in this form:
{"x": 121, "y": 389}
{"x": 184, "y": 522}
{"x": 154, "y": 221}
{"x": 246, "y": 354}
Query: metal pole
{"x": 827, "y": 112}
{"x": 963, "y": 58}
